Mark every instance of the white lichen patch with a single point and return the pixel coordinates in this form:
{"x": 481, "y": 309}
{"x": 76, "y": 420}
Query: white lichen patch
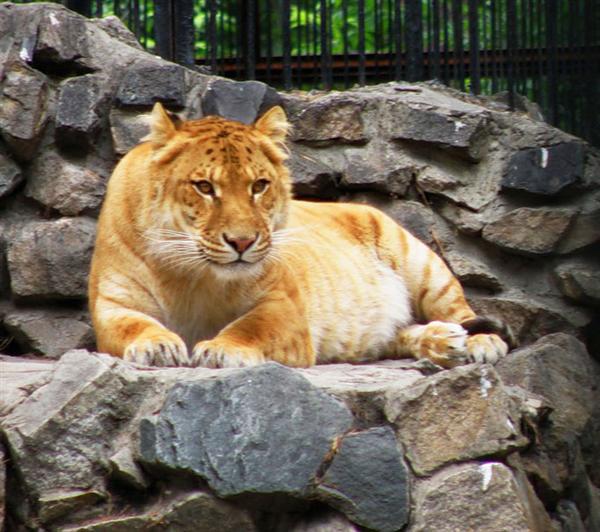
{"x": 484, "y": 383}
{"x": 486, "y": 471}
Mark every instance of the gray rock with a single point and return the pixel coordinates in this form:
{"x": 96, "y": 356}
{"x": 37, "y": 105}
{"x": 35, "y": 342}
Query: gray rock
{"x": 59, "y": 184}
{"x": 51, "y": 259}
{"x": 147, "y": 83}
{"x": 60, "y": 436}
{"x": 471, "y": 272}
{"x": 334, "y": 118}
{"x": 3, "y": 460}
{"x": 241, "y": 101}
{"x": 197, "y": 511}
{"x": 117, "y": 30}
{"x": 460, "y": 132}
{"x": 79, "y": 114}
{"x": 23, "y": 109}
{"x": 485, "y": 497}
{"x": 125, "y": 469}
{"x": 323, "y": 522}
{"x": 584, "y": 230}
{"x": 568, "y": 517}
{"x": 368, "y": 480}
{"x": 310, "y": 176}
{"x": 558, "y": 368}
{"x": 127, "y": 128}
{"x": 56, "y": 504}
{"x": 545, "y": 170}
{"x": 579, "y": 281}
{"x": 50, "y": 332}
{"x": 10, "y": 175}
{"x": 527, "y": 318}
{"x": 530, "y": 231}
{"x": 455, "y": 415}
{"x": 263, "y": 430}
{"x": 62, "y": 43}
{"x": 366, "y": 170}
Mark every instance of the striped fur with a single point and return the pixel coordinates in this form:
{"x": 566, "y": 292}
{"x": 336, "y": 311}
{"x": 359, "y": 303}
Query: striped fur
{"x": 203, "y": 258}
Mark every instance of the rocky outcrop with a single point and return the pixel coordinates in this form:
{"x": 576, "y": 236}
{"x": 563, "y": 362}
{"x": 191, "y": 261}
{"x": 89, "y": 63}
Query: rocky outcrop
{"x": 91, "y": 443}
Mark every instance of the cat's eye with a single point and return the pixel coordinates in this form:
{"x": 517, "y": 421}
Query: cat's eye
{"x": 259, "y": 186}
{"x": 204, "y": 187}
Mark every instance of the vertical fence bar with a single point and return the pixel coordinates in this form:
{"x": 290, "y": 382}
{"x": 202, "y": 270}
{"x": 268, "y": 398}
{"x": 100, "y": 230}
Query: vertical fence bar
{"x": 163, "y": 33}
{"x": 269, "y": 40}
{"x": 457, "y": 27}
{"x": 552, "y": 59}
{"x": 212, "y": 46}
{"x": 287, "y": 45}
{"x": 474, "y": 47}
{"x": 346, "y": 45}
{"x": 446, "y": 25}
{"x": 361, "y": 43}
{"x": 183, "y": 11}
{"x": 436, "y": 40}
{"x": 511, "y": 36}
{"x": 591, "y": 122}
{"x": 250, "y": 44}
{"x": 98, "y": 11}
{"x": 414, "y": 40}
{"x": 325, "y": 48}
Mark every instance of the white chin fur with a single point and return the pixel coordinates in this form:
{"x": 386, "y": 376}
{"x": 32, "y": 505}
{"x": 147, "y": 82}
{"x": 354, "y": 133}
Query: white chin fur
{"x": 234, "y": 271}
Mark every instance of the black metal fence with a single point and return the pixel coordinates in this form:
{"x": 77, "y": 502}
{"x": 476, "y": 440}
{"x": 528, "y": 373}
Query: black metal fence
{"x": 547, "y": 50}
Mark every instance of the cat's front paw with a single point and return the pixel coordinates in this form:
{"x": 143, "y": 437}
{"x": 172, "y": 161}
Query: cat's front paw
{"x": 221, "y": 354}
{"x": 486, "y": 348}
{"x": 159, "y": 349}
{"x": 443, "y": 343}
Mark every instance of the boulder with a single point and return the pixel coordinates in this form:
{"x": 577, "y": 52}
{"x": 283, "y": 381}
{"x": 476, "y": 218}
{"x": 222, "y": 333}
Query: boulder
{"x": 471, "y": 272}
{"x": 242, "y": 101}
{"x": 240, "y": 438}
{"x": 368, "y": 480}
{"x": 146, "y": 83}
{"x": 81, "y": 111}
{"x": 69, "y": 188}
{"x": 310, "y": 176}
{"x": 335, "y": 118}
{"x": 455, "y": 415}
{"x": 10, "y": 175}
{"x": 579, "y": 281}
{"x": 127, "y": 128}
{"x": 49, "y": 332}
{"x": 23, "y": 109}
{"x": 529, "y": 230}
{"x": 486, "y": 497}
{"x": 545, "y": 170}
{"x": 51, "y": 259}
{"x": 585, "y": 228}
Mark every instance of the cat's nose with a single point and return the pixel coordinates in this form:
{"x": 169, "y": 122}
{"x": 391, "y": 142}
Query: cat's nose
{"x": 239, "y": 244}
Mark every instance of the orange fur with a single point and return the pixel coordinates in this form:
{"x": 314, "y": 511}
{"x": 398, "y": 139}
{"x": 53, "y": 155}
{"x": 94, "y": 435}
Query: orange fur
{"x": 203, "y": 258}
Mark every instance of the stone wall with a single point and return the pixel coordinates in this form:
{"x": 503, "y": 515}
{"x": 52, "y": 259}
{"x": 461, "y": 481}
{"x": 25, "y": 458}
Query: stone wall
{"x": 512, "y": 205}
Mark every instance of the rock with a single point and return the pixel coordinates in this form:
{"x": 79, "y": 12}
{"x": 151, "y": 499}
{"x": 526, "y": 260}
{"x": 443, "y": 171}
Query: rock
{"x": 60, "y": 435}
{"x": 59, "y": 184}
{"x": 558, "y": 368}
{"x": 128, "y": 128}
{"x": 486, "y": 497}
{"x": 471, "y": 272}
{"x": 62, "y": 44}
{"x": 323, "y": 522}
{"x": 368, "y": 480}
{"x": 545, "y": 170}
{"x": 584, "y": 230}
{"x": 197, "y": 511}
{"x": 529, "y": 231}
{"x": 125, "y": 469}
{"x": 310, "y": 176}
{"x": 80, "y": 111}
{"x": 579, "y": 281}
{"x": 381, "y": 172}
{"x": 242, "y": 101}
{"x": 262, "y": 430}
{"x": 363, "y": 387}
{"x": 333, "y": 118}
{"x": 465, "y": 220}
{"x": 456, "y": 415}
{"x": 49, "y": 332}
{"x": 54, "y": 505}
{"x": 462, "y": 132}
{"x": 3, "y": 460}
{"x": 568, "y": 517}
{"x": 528, "y": 319}
{"x": 10, "y": 175}
{"x": 117, "y": 30}
{"x": 146, "y": 83}
{"x": 51, "y": 259}
{"x": 23, "y": 109}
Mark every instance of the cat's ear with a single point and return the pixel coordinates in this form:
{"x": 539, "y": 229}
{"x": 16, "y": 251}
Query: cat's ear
{"x": 162, "y": 128}
{"x": 274, "y": 124}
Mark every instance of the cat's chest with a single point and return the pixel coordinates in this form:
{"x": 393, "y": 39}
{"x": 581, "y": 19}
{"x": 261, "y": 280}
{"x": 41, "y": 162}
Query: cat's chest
{"x": 199, "y": 312}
